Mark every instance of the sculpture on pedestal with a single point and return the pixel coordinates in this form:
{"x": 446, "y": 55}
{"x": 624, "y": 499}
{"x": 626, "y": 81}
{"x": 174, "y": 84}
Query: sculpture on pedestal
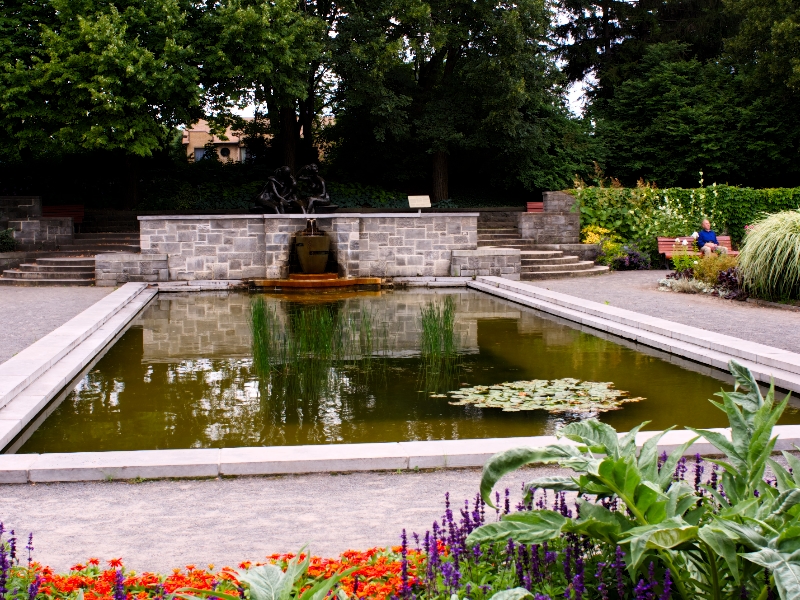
{"x": 282, "y": 193}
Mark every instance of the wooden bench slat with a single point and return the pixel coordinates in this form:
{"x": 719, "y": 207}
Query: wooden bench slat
{"x": 75, "y": 211}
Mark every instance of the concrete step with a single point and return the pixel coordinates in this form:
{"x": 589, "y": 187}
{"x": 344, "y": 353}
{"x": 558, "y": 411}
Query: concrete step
{"x": 28, "y": 275}
{"x": 45, "y": 282}
{"x": 529, "y": 254}
{"x": 558, "y": 260}
{"x": 56, "y": 268}
{"x": 574, "y": 266}
{"x": 500, "y": 237}
{"x": 81, "y": 261}
{"x": 519, "y": 244}
{"x": 99, "y": 248}
{"x": 596, "y": 270}
{"x": 107, "y": 238}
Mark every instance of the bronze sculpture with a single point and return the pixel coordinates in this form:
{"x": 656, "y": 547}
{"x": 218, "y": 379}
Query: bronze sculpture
{"x": 282, "y": 194}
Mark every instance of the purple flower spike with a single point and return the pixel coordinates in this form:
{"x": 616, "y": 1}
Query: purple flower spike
{"x": 666, "y": 593}
{"x": 119, "y": 586}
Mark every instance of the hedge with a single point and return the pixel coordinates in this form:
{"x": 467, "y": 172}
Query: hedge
{"x": 643, "y": 213}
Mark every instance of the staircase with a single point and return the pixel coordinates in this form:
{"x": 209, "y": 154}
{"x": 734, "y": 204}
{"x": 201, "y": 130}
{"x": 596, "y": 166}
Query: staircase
{"x": 73, "y": 264}
{"x": 538, "y": 261}
{"x": 78, "y": 270}
{"x": 98, "y": 243}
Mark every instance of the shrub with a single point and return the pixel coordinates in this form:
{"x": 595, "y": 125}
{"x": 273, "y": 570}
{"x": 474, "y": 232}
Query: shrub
{"x": 7, "y": 241}
{"x": 729, "y": 284}
{"x": 594, "y": 234}
{"x": 708, "y": 269}
{"x": 770, "y": 258}
{"x": 631, "y": 258}
{"x": 682, "y": 258}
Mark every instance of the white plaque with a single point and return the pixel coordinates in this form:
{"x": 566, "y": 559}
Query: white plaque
{"x": 419, "y": 201}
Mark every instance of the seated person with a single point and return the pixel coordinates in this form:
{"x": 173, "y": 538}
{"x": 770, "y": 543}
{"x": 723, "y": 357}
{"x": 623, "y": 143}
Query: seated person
{"x": 707, "y": 240}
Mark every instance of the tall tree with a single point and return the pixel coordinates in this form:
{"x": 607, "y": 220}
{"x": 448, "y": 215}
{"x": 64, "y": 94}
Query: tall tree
{"x": 443, "y": 78}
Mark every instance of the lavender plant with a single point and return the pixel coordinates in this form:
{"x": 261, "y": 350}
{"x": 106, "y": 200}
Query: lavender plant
{"x": 714, "y": 540}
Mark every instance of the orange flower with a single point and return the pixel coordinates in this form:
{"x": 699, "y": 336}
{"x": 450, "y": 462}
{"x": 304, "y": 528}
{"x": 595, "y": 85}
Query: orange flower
{"x": 94, "y": 561}
{"x": 115, "y": 563}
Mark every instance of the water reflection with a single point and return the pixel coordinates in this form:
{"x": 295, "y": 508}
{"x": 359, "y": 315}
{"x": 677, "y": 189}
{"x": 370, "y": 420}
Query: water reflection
{"x": 183, "y": 377}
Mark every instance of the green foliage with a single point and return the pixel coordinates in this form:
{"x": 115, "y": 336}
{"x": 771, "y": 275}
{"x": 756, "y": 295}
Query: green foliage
{"x": 683, "y": 258}
{"x": 714, "y": 544}
{"x": 7, "y": 242}
{"x": 355, "y": 195}
{"x": 770, "y": 259}
{"x": 441, "y": 360}
{"x": 643, "y": 213}
{"x": 708, "y": 269}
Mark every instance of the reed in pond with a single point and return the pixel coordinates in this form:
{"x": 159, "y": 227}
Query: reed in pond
{"x": 300, "y": 352}
{"x": 441, "y": 361}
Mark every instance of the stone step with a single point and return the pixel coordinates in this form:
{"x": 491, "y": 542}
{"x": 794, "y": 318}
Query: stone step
{"x": 45, "y": 282}
{"x": 575, "y": 266}
{"x": 62, "y": 268}
{"x": 129, "y": 236}
{"x": 556, "y": 260}
{"x": 502, "y": 237}
{"x": 519, "y": 244}
{"x": 527, "y": 254}
{"x": 595, "y": 270}
{"x": 28, "y": 275}
{"x": 99, "y": 248}
{"x": 82, "y": 261}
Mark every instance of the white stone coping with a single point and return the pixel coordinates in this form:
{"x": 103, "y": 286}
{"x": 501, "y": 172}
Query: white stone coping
{"x": 24, "y": 407}
{"x": 321, "y": 216}
{"x": 22, "y": 369}
{"x": 432, "y": 281}
{"x": 128, "y": 256}
{"x": 199, "y": 285}
{"x": 281, "y": 460}
{"x": 703, "y": 346}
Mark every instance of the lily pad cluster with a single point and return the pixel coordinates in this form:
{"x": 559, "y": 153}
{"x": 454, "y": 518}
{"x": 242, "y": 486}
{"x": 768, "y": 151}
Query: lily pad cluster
{"x": 555, "y": 396}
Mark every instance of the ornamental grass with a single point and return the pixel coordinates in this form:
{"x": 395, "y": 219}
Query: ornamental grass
{"x": 770, "y": 257}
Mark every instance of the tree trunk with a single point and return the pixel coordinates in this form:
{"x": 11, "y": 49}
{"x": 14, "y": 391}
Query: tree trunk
{"x": 289, "y": 136}
{"x": 440, "y": 177}
{"x": 132, "y": 180}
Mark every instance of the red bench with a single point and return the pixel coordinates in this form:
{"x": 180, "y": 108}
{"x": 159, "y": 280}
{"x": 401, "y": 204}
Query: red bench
{"x": 67, "y": 210}
{"x": 535, "y": 207}
{"x": 667, "y": 246}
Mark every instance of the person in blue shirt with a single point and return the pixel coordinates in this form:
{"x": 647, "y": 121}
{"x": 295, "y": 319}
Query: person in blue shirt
{"x": 707, "y": 241}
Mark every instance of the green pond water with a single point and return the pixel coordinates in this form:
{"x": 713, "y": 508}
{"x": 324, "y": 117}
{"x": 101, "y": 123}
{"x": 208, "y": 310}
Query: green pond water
{"x": 182, "y": 376}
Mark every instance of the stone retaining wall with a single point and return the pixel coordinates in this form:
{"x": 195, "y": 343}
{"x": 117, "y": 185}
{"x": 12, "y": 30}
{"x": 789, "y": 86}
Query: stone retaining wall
{"x": 20, "y": 207}
{"x": 42, "y": 233}
{"x": 560, "y": 223}
{"x": 258, "y": 246}
{"x": 488, "y": 261}
{"x": 117, "y": 268}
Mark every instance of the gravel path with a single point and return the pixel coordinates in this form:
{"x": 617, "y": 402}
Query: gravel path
{"x": 638, "y": 291}
{"x": 30, "y": 313}
{"x": 159, "y": 525}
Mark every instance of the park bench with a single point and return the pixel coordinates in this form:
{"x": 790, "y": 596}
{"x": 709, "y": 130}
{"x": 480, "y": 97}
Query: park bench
{"x": 667, "y": 246}
{"x": 67, "y": 210}
{"x": 535, "y": 207}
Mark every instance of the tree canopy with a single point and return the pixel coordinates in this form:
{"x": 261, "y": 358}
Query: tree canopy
{"x": 424, "y": 96}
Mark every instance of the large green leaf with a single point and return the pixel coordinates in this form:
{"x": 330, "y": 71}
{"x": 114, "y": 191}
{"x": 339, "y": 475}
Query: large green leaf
{"x": 648, "y": 457}
{"x": 723, "y": 545}
{"x": 668, "y": 468}
{"x": 526, "y": 527}
{"x": 598, "y": 522}
{"x": 656, "y": 537}
{"x": 511, "y": 460}
{"x": 599, "y": 437}
{"x": 627, "y": 443}
{"x": 785, "y": 570}
{"x": 559, "y": 484}
{"x": 269, "y": 582}
{"x": 320, "y": 590}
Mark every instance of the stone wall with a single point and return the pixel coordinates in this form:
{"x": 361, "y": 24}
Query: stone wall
{"x": 20, "y": 207}
{"x": 487, "y": 261}
{"x": 258, "y": 246}
{"x": 560, "y": 223}
{"x": 42, "y": 233}
{"x": 117, "y": 268}
{"x": 224, "y": 247}
{"x": 413, "y": 245}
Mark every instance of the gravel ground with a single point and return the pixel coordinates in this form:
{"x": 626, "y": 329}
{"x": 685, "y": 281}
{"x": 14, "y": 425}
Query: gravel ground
{"x": 638, "y": 291}
{"x": 30, "y": 313}
{"x": 159, "y": 525}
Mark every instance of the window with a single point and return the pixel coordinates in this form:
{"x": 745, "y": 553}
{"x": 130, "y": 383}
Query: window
{"x": 225, "y": 152}
{"x": 199, "y": 153}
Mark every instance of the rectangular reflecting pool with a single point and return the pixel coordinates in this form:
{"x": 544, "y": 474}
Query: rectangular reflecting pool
{"x": 184, "y": 376}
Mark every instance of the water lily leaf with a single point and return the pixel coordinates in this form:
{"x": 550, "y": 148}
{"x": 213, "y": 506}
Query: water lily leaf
{"x": 566, "y": 395}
